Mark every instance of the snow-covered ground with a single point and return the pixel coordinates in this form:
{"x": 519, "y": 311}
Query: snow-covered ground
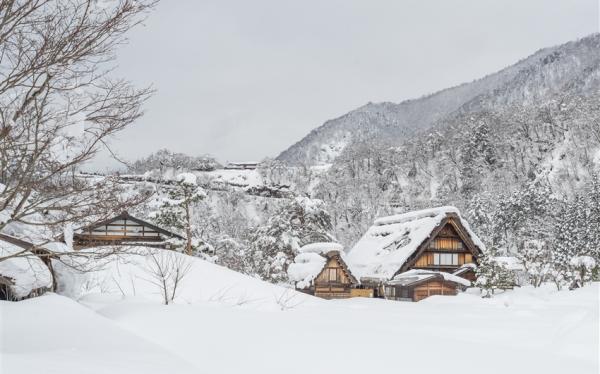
{"x": 277, "y": 331}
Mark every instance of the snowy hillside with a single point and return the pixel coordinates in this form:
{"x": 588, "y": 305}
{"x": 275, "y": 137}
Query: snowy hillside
{"x": 131, "y": 275}
{"x": 573, "y": 67}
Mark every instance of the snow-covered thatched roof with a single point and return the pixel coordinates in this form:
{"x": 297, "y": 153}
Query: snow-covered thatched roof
{"x": 389, "y": 243}
{"x": 27, "y": 272}
{"x": 415, "y": 276}
{"x": 311, "y": 260}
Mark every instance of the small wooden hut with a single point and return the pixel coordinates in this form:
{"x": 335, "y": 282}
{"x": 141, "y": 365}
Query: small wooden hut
{"x": 321, "y": 270}
{"x": 124, "y": 229}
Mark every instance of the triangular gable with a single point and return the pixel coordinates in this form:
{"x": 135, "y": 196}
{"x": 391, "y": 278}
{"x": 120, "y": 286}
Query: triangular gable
{"x": 335, "y": 256}
{"x": 125, "y": 216}
{"x": 393, "y": 241}
{"x": 453, "y": 220}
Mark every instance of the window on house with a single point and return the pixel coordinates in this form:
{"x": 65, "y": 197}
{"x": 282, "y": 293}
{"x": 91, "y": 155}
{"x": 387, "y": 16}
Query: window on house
{"x": 390, "y": 292}
{"x": 332, "y": 275}
{"x": 445, "y": 259}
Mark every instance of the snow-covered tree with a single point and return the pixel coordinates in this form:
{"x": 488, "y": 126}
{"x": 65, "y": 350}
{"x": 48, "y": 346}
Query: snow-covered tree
{"x": 493, "y": 275}
{"x": 582, "y": 268}
{"x": 592, "y": 223}
{"x": 536, "y": 259}
{"x": 177, "y": 208}
{"x": 274, "y": 244}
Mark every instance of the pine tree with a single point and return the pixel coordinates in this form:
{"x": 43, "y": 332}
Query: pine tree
{"x": 493, "y": 275}
{"x": 274, "y": 245}
{"x": 176, "y": 211}
{"x": 592, "y": 230}
{"x": 477, "y": 156}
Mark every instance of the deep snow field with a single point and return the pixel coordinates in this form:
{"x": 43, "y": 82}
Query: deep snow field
{"x": 223, "y": 322}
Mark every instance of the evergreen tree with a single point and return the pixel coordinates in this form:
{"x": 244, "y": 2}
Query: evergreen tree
{"x": 493, "y": 275}
{"x": 176, "y": 211}
{"x": 592, "y": 227}
{"x": 477, "y": 156}
{"x": 274, "y": 245}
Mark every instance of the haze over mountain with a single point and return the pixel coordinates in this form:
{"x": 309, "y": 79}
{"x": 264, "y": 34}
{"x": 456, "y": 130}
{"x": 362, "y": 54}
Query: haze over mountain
{"x": 573, "y": 67}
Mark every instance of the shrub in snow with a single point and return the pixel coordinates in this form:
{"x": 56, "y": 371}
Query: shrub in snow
{"x": 493, "y": 275}
{"x": 536, "y": 259}
{"x": 582, "y": 267}
{"x": 166, "y": 272}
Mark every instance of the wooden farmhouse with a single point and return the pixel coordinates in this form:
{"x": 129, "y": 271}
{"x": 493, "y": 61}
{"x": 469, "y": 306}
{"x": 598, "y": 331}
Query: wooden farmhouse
{"x": 434, "y": 241}
{"x": 123, "y": 229}
{"x": 320, "y": 270}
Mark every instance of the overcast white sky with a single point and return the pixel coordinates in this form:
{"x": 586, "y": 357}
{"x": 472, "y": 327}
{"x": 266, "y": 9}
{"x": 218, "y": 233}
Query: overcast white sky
{"x": 243, "y": 80}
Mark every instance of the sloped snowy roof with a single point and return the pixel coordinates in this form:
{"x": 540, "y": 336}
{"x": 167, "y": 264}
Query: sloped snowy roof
{"x": 305, "y": 268}
{"x": 321, "y": 248}
{"x": 465, "y": 268}
{"x": 27, "y": 273}
{"x": 414, "y": 276}
{"x": 386, "y": 245}
{"x": 311, "y": 260}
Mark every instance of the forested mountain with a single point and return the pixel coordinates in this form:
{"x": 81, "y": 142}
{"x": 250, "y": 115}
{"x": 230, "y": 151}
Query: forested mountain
{"x": 517, "y": 151}
{"x": 572, "y": 67}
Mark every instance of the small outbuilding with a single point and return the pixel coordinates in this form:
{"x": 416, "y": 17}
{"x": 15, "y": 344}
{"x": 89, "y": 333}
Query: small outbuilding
{"x": 320, "y": 270}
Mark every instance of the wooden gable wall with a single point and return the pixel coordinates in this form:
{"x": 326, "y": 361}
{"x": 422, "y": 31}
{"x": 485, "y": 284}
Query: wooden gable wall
{"x": 333, "y": 272}
{"x": 333, "y": 282}
{"x": 123, "y": 229}
{"x": 447, "y": 249}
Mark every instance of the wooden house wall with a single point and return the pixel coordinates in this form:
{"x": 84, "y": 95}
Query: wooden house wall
{"x": 421, "y": 291}
{"x": 333, "y": 282}
{"x": 434, "y": 288}
{"x": 117, "y": 232}
{"x": 446, "y": 251}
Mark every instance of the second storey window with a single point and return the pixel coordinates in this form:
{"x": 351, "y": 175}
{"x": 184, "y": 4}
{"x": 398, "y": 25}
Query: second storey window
{"x": 332, "y": 275}
{"x": 445, "y": 259}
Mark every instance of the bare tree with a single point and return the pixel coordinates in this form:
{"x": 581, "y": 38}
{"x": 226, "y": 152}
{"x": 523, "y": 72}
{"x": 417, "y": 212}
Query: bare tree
{"x": 59, "y": 106}
{"x": 288, "y": 299}
{"x": 166, "y": 272}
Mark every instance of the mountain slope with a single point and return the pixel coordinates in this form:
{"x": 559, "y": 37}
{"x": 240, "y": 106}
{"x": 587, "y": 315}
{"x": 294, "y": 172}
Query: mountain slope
{"x": 574, "y": 67}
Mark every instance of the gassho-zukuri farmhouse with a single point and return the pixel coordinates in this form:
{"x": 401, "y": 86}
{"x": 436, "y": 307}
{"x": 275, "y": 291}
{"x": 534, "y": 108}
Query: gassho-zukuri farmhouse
{"x": 406, "y": 257}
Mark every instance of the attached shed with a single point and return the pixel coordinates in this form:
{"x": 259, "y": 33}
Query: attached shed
{"x": 124, "y": 229}
{"x": 416, "y": 285}
{"x": 467, "y": 271}
{"x": 320, "y": 270}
